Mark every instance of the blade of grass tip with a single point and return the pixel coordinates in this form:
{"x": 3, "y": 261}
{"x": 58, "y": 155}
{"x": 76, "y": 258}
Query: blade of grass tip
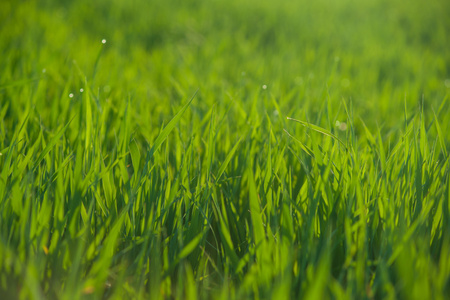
{"x": 440, "y": 136}
{"x": 135, "y": 155}
{"x": 442, "y": 105}
{"x": 328, "y": 107}
{"x": 369, "y": 135}
{"x": 268, "y": 176}
{"x": 17, "y": 134}
{"x": 170, "y": 126}
{"x": 211, "y": 139}
{"x": 4, "y": 110}
{"x": 271, "y": 126}
{"x": 192, "y": 245}
{"x": 98, "y": 59}
{"x": 88, "y": 116}
{"x": 278, "y": 110}
{"x": 418, "y": 178}
{"x": 24, "y": 163}
{"x": 51, "y": 144}
{"x": 381, "y": 152}
{"x": 303, "y": 146}
{"x": 6, "y": 168}
{"x": 227, "y": 160}
{"x": 318, "y": 129}
{"x": 350, "y": 119}
{"x": 405, "y": 114}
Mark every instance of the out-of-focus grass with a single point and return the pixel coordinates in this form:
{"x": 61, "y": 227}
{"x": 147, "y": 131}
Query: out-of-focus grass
{"x": 114, "y": 184}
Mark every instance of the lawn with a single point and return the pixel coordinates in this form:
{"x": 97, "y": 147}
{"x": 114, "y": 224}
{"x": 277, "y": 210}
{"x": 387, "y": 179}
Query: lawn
{"x": 224, "y": 149}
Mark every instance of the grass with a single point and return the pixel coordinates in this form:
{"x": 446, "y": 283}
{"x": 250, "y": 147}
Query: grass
{"x": 224, "y": 149}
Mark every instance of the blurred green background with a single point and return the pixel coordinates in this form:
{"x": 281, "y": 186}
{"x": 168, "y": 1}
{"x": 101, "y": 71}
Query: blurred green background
{"x": 253, "y": 64}
{"x": 366, "y": 51}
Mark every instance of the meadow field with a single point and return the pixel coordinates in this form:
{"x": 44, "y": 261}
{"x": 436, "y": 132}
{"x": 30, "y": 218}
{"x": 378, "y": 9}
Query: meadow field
{"x": 224, "y": 149}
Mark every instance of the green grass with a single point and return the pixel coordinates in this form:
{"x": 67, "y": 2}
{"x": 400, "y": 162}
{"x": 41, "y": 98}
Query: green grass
{"x": 224, "y": 149}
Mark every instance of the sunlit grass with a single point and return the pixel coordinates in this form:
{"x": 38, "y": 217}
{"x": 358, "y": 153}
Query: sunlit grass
{"x": 224, "y": 149}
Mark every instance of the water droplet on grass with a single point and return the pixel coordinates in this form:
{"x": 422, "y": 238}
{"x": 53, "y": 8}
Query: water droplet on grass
{"x": 341, "y": 125}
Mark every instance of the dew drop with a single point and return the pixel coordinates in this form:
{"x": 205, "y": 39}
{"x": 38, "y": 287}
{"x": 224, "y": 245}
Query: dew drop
{"x": 343, "y": 126}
